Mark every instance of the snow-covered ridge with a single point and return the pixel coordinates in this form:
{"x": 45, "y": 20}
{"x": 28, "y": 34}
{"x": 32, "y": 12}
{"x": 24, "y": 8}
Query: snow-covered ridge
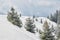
{"x": 8, "y": 31}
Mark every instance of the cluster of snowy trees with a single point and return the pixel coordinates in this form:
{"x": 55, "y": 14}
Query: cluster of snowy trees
{"x": 53, "y": 17}
{"x": 56, "y": 18}
{"x": 47, "y": 34}
{"x": 14, "y": 18}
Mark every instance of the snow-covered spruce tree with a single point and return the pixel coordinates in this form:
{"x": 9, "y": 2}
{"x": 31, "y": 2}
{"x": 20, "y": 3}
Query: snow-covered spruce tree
{"x": 58, "y": 26}
{"x": 29, "y": 25}
{"x": 47, "y": 33}
{"x": 14, "y": 18}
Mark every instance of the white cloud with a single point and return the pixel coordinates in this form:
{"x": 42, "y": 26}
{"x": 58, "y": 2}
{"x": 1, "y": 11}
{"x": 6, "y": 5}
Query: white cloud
{"x": 28, "y": 3}
{"x": 5, "y": 5}
{"x": 45, "y": 3}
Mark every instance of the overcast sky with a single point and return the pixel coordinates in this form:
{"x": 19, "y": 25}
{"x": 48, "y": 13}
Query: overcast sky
{"x": 31, "y": 7}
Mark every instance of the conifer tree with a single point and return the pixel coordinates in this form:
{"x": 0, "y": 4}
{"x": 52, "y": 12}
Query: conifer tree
{"x": 14, "y": 18}
{"x": 29, "y": 25}
{"x": 48, "y": 17}
{"x": 36, "y": 19}
{"x": 33, "y": 16}
{"x": 58, "y": 26}
{"x": 47, "y": 33}
{"x": 20, "y": 15}
{"x": 41, "y": 21}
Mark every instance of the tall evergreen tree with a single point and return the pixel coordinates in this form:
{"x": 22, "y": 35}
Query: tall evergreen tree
{"x": 14, "y": 18}
{"x": 47, "y": 33}
{"x": 29, "y": 25}
{"x": 58, "y": 26}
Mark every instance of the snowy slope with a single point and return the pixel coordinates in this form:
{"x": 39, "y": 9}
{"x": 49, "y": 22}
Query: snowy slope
{"x": 8, "y": 31}
{"x": 50, "y": 23}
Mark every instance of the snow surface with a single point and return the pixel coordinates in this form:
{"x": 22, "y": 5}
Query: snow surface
{"x": 8, "y": 31}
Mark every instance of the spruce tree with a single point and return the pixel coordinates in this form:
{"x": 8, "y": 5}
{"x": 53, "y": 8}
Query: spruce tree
{"x": 33, "y": 16}
{"x": 41, "y": 21}
{"x": 29, "y": 25}
{"x": 14, "y": 18}
{"x": 58, "y": 27}
{"x": 48, "y": 17}
{"x": 47, "y": 33}
{"x": 36, "y": 19}
{"x": 20, "y": 15}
